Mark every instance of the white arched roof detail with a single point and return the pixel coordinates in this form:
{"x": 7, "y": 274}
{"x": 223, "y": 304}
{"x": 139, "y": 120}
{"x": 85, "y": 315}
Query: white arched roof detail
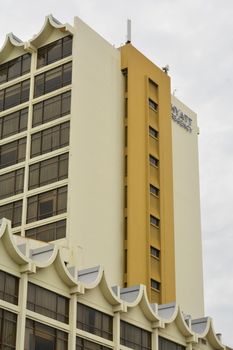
{"x": 205, "y": 329}
{"x": 15, "y": 251}
{"x": 50, "y": 24}
{"x": 11, "y": 42}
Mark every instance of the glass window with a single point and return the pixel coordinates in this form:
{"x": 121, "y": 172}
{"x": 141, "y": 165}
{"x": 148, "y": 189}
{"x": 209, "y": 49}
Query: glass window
{"x": 152, "y": 132}
{"x": 13, "y": 123}
{"x": 154, "y": 252}
{"x": 9, "y": 287}
{"x": 153, "y": 105}
{"x": 55, "y": 51}
{"x": 52, "y": 108}
{"x": 135, "y": 337}
{"x": 50, "y": 139}
{"x": 47, "y": 303}
{"x": 155, "y": 284}
{"x": 13, "y": 212}
{"x": 154, "y": 190}
{"x": 84, "y": 344}
{"x": 165, "y": 344}
{"x": 12, "y": 153}
{"x": 47, "y": 204}
{"x": 39, "y": 336}
{"x": 53, "y": 79}
{"x": 14, "y": 95}
{"x": 8, "y": 323}
{"x": 154, "y": 221}
{"x": 94, "y": 321}
{"x": 48, "y": 171}
{"x": 15, "y": 68}
{"x": 48, "y": 233}
{"x": 11, "y": 183}
{"x": 153, "y": 161}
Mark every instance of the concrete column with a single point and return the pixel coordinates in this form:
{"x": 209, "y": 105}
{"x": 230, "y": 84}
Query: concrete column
{"x": 20, "y": 335}
{"x": 72, "y": 321}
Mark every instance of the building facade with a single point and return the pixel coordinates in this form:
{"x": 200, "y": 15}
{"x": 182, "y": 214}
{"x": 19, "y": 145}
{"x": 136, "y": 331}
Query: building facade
{"x": 91, "y": 166}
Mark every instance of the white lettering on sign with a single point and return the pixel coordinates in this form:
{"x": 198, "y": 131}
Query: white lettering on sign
{"x": 181, "y": 118}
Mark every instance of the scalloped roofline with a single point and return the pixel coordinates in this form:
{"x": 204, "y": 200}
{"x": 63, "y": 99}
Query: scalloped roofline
{"x": 121, "y": 299}
{"x": 50, "y": 22}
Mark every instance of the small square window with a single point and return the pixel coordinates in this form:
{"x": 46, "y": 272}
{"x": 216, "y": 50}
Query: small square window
{"x": 155, "y": 284}
{"x": 153, "y": 161}
{"x": 153, "y": 133}
{"x": 154, "y": 190}
{"x": 153, "y": 105}
{"x": 154, "y": 252}
{"x": 154, "y": 221}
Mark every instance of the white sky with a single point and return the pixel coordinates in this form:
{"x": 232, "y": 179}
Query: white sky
{"x": 194, "y": 38}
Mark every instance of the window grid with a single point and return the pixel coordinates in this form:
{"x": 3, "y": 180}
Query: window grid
{"x": 11, "y": 183}
{"x": 47, "y": 204}
{"x": 50, "y": 139}
{"x": 94, "y": 321}
{"x": 47, "y": 303}
{"x": 84, "y": 344}
{"x": 52, "y": 108}
{"x": 13, "y": 212}
{"x": 54, "y": 51}
{"x": 135, "y": 337}
{"x": 9, "y": 287}
{"x": 12, "y": 153}
{"x": 8, "y": 324}
{"x": 13, "y": 123}
{"x": 48, "y": 171}
{"x": 14, "y": 95}
{"x": 47, "y": 233}
{"x": 15, "y": 68}
{"x": 53, "y": 79}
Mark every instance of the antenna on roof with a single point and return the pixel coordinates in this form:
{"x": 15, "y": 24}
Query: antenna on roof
{"x": 128, "y": 31}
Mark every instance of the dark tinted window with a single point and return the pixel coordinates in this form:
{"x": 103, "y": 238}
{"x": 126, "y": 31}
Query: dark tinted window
{"x": 47, "y": 204}
{"x": 55, "y": 51}
{"x": 155, "y": 284}
{"x": 154, "y": 252}
{"x": 135, "y": 337}
{"x": 48, "y": 171}
{"x": 53, "y": 79}
{"x": 154, "y": 221}
{"x": 165, "y": 344}
{"x": 50, "y": 139}
{"x": 8, "y": 323}
{"x": 153, "y": 161}
{"x": 13, "y": 212}
{"x": 153, "y": 105}
{"x": 12, "y": 153}
{"x": 94, "y": 321}
{"x": 9, "y": 287}
{"x": 84, "y": 344}
{"x": 48, "y": 233}
{"x": 154, "y": 190}
{"x": 52, "y": 108}
{"x": 13, "y": 123}
{"x": 15, "y": 68}
{"x": 11, "y": 183}
{"x": 38, "y": 336}
{"x": 14, "y": 95}
{"x": 47, "y": 303}
{"x": 154, "y": 133}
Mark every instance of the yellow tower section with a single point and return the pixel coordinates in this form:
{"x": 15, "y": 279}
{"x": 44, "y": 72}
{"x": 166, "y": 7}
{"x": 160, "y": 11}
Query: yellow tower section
{"x": 149, "y": 222}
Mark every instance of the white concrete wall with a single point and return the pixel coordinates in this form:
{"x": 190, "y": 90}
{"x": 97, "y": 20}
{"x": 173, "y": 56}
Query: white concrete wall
{"x": 188, "y": 245}
{"x": 95, "y": 198}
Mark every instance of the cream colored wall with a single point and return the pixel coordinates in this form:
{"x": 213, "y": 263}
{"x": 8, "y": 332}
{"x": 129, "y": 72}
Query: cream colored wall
{"x": 188, "y": 246}
{"x": 95, "y": 198}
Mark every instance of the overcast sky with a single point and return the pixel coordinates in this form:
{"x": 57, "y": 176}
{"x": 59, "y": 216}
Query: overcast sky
{"x": 195, "y": 38}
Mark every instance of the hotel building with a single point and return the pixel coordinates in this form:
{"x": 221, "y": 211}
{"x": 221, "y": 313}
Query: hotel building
{"x": 96, "y": 170}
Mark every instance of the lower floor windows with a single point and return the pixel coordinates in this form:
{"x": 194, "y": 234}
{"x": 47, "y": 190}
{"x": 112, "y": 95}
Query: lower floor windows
{"x": 47, "y": 204}
{"x": 8, "y": 322}
{"x": 83, "y": 344}
{"x": 135, "y": 337}
{"x": 11, "y": 183}
{"x": 165, "y": 344}
{"x": 9, "y": 287}
{"x": 48, "y": 233}
{"x": 39, "y": 336}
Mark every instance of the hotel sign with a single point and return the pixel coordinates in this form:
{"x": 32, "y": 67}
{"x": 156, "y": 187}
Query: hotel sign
{"x": 181, "y": 118}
